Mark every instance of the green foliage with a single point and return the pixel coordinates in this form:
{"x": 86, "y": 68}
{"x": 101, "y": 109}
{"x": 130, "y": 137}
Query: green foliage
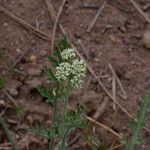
{"x": 2, "y": 83}
{"x": 47, "y": 93}
{"x": 9, "y": 136}
{"x": 5, "y": 59}
{"x": 53, "y": 61}
{"x": 75, "y": 119}
{"x": 50, "y": 74}
{"x": 63, "y": 44}
{"x": 137, "y": 125}
{"x": 45, "y": 132}
{"x": 93, "y": 141}
{"x": 20, "y": 112}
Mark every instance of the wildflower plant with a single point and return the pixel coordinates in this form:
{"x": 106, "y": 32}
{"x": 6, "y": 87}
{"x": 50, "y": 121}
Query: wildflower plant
{"x": 66, "y": 73}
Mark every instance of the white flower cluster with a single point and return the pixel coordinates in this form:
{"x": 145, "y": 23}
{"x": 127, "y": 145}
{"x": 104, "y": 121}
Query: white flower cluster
{"x": 63, "y": 71}
{"x": 74, "y": 69}
{"x": 79, "y": 71}
{"x": 68, "y": 54}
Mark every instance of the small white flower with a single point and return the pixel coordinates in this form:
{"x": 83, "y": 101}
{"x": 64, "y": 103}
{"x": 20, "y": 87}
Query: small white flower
{"x": 63, "y": 71}
{"x": 79, "y": 68}
{"x": 76, "y": 82}
{"x": 68, "y": 54}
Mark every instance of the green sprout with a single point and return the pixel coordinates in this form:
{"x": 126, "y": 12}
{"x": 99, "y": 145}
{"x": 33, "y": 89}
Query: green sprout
{"x": 137, "y": 125}
{"x": 66, "y": 73}
{"x": 2, "y": 83}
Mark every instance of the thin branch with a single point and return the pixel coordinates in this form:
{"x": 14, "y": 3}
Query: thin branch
{"x": 140, "y": 11}
{"x": 96, "y": 16}
{"x": 101, "y": 125}
{"x": 25, "y": 24}
{"x": 55, "y": 25}
{"x": 116, "y": 147}
{"x": 10, "y": 98}
{"x": 51, "y": 11}
{"x": 105, "y": 127}
{"x": 101, "y": 108}
{"x": 118, "y": 80}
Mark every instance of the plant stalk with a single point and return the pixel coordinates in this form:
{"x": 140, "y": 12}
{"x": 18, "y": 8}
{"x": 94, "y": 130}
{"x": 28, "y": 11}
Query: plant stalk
{"x": 64, "y": 146}
{"x": 51, "y": 142}
{"x": 66, "y": 98}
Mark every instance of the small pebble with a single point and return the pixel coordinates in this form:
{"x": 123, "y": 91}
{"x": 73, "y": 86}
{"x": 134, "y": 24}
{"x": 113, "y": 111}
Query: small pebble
{"x": 13, "y": 87}
{"x": 146, "y": 39}
{"x": 29, "y": 119}
{"x": 2, "y": 103}
{"x": 18, "y": 50}
{"x": 13, "y": 91}
{"x": 32, "y": 58}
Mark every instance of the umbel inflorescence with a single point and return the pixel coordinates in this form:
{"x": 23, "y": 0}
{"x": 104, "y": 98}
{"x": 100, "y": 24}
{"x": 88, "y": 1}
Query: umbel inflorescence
{"x": 71, "y": 68}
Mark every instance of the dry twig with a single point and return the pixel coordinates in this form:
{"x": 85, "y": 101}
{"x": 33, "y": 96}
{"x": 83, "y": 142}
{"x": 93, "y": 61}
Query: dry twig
{"x": 118, "y": 80}
{"x": 101, "y": 108}
{"x": 55, "y": 25}
{"x": 51, "y": 11}
{"x": 84, "y": 49}
{"x": 10, "y": 98}
{"x": 116, "y": 147}
{"x": 25, "y": 24}
{"x": 140, "y": 10}
{"x": 89, "y": 6}
{"x": 117, "y": 5}
{"x": 114, "y": 91}
{"x": 105, "y": 127}
{"x": 96, "y": 16}
{"x": 101, "y": 125}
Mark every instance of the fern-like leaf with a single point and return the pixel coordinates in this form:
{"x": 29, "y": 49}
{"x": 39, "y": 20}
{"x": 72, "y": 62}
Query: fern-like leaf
{"x": 44, "y": 132}
{"x": 75, "y": 119}
{"x": 63, "y": 44}
{"x": 47, "y": 93}
{"x": 50, "y": 74}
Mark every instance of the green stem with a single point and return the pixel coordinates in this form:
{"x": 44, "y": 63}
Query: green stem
{"x": 64, "y": 146}
{"x": 66, "y": 98}
{"x": 64, "y": 132}
{"x": 51, "y": 143}
{"x": 55, "y": 105}
{"x": 4, "y": 125}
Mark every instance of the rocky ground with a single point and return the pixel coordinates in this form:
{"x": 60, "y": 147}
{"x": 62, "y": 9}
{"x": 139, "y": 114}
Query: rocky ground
{"x": 116, "y": 48}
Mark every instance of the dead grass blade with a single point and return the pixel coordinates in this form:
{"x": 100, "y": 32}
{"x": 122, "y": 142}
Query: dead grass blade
{"x": 140, "y": 11}
{"x": 118, "y": 80}
{"x": 25, "y": 24}
{"x": 55, "y": 25}
{"x": 101, "y": 125}
{"x": 104, "y": 127}
{"x": 101, "y": 108}
{"x": 96, "y": 16}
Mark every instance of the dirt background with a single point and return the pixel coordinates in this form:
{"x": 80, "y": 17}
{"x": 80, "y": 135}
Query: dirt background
{"x": 116, "y": 38}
